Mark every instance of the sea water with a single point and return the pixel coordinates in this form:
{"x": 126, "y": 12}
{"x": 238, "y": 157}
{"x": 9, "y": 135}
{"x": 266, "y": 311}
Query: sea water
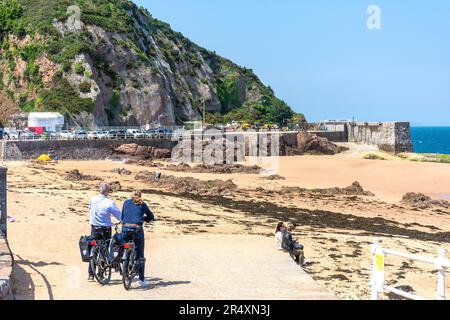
{"x": 431, "y": 139}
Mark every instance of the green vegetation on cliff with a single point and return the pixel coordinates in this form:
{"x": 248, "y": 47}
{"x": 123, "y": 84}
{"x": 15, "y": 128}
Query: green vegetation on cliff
{"x": 10, "y": 12}
{"x": 44, "y": 60}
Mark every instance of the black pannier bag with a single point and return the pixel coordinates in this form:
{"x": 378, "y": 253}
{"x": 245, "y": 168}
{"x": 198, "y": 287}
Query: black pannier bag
{"x": 85, "y": 248}
{"x": 117, "y": 248}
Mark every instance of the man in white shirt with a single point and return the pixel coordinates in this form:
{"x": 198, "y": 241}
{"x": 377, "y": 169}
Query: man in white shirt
{"x": 101, "y": 209}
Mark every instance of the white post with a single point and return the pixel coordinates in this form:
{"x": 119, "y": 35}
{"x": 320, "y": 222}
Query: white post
{"x": 441, "y": 274}
{"x": 373, "y": 281}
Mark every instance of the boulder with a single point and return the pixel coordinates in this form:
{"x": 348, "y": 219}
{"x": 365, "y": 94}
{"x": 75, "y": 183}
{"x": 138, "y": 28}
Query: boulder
{"x": 142, "y": 151}
{"x": 161, "y": 153}
{"x": 121, "y": 171}
{"x": 76, "y": 175}
{"x": 357, "y": 189}
{"x": 307, "y": 142}
{"x": 417, "y": 200}
{"x": 128, "y": 149}
{"x": 115, "y": 186}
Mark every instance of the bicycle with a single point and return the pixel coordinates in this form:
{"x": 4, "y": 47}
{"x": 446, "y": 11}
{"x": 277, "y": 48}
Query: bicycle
{"x": 130, "y": 261}
{"x": 101, "y": 262}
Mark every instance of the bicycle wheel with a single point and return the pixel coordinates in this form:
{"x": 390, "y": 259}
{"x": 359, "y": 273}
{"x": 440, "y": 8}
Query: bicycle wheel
{"x": 118, "y": 267}
{"x": 126, "y": 277}
{"x": 100, "y": 267}
{"x": 129, "y": 268}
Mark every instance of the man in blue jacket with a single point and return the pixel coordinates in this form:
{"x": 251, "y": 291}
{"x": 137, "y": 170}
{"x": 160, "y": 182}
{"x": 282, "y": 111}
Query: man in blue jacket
{"x": 134, "y": 213}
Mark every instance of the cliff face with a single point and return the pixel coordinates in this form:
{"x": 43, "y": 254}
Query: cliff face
{"x": 111, "y": 63}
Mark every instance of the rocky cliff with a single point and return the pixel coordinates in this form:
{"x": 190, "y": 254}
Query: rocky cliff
{"x": 111, "y": 63}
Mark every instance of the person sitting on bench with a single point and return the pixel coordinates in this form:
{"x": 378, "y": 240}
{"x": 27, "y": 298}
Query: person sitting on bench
{"x": 294, "y": 248}
{"x": 279, "y": 235}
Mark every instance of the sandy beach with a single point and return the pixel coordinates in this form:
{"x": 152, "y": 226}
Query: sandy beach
{"x": 50, "y": 214}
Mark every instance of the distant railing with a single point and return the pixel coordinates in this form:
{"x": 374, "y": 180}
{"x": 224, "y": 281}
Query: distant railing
{"x": 378, "y": 285}
{"x": 37, "y": 138}
{"x": 142, "y": 128}
{"x": 102, "y": 134}
{"x": 90, "y": 134}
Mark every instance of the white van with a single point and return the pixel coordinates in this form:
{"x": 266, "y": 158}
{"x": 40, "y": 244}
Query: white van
{"x": 137, "y": 134}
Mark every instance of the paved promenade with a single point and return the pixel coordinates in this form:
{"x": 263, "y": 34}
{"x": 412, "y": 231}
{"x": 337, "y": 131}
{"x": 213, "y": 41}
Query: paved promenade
{"x": 184, "y": 267}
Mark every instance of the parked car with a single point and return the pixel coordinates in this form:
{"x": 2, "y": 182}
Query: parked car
{"x": 118, "y": 134}
{"x": 102, "y": 134}
{"x": 163, "y": 133}
{"x": 132, "y": 132}
{"x": 49, "y": 135}
{"x": 28, "y": 135}
{"x": 168, "y": 133}
{"x": 125, "y": 135}
{"x": 80, "y": 135}
{"x": 11, "y": 134}
{"x": 111, "y": 134}
{"x": 92, "y": 135}
{"x": 98, "y": 135}
{"x": 66, "y": 134}
{"x": 136, "y": 134}
{"x": 151, "y": 134}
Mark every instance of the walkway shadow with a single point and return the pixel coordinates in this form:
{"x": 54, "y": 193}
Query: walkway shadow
{"x": 154, "y": 283}
{"x": 160, "y": 283}
{"x": 23, "y": 287}
{"x": 24, "y": 280}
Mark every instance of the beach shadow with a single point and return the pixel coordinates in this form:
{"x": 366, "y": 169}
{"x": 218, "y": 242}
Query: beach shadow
{"x": 26, "y": 280}
{"x": 322, "y": 219}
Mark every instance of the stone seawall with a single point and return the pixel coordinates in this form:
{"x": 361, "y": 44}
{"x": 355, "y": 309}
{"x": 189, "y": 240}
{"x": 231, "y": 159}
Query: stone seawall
{"x": 3, "y": 202}
{"x": 6, "y": 260}
{"x": 72, "y": 149}
{"x": 91, "y": 149}
{"x": 6, "y": 266}
{"x": 392, "y": 137}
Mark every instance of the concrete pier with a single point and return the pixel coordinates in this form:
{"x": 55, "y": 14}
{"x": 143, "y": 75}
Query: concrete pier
{"x": 393, "y": 137}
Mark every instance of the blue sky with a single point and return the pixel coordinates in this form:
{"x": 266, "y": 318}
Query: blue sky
{"x": 320, "y": 57}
